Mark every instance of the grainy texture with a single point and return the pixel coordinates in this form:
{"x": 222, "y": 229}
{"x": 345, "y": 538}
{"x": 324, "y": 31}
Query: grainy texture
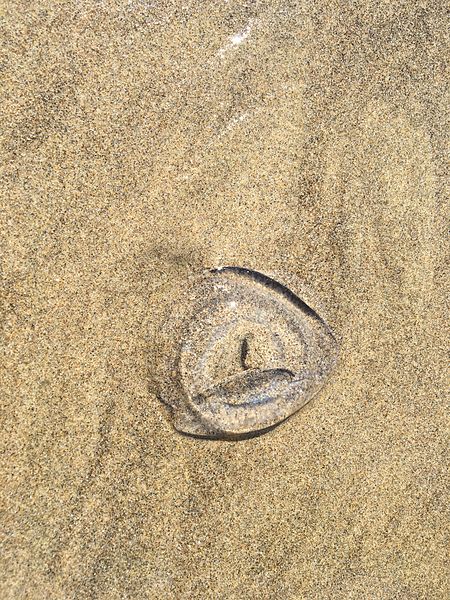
{"x": 145, "y": 141}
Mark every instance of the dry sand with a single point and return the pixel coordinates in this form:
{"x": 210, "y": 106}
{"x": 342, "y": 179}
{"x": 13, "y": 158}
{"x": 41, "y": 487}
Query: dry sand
{"x": 145, "y": 141}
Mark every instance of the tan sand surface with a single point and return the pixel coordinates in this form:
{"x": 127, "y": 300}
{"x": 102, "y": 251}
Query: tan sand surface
{"x": 144, "y": 141}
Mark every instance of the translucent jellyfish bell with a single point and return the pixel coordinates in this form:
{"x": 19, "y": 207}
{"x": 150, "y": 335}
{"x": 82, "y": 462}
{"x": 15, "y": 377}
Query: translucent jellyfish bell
{"x": 239, "y": 354}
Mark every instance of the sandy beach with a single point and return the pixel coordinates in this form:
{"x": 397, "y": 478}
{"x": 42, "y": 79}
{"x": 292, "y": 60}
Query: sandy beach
{"x": 144, "y": 142}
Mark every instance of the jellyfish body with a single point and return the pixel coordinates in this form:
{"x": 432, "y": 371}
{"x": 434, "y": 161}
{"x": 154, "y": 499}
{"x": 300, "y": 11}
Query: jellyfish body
{"x": 242, "y": 353}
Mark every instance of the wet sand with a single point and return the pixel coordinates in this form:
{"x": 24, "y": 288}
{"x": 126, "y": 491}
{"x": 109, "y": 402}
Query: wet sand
{"x": 144, "y": 142}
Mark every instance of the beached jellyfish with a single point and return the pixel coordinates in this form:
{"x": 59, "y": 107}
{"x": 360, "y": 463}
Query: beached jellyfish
{"x": 240, "y": 353}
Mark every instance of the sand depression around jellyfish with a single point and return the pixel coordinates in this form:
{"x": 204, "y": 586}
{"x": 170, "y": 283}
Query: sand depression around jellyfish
{"x": 239, "y": 354}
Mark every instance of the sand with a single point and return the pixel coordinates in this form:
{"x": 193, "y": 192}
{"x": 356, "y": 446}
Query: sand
{"x": 143, "y": 142}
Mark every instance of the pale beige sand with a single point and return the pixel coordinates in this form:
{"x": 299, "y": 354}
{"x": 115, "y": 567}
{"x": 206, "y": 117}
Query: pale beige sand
{"x": 142, "y": 142}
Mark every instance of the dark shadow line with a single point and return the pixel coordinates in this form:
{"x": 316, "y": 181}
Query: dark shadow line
{"x": 219, "y": 435}
{"x": 272, "y": 284}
